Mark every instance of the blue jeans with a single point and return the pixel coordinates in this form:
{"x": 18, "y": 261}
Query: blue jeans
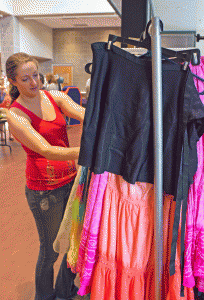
{"x": 48, "y": 209}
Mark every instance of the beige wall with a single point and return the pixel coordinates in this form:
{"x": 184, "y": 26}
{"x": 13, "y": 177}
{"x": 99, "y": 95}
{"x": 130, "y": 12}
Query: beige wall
{"x": 36, "y": 39}
{"x": 73, "y": 47}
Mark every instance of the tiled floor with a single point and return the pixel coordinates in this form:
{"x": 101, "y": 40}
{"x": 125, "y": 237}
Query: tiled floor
{"x": 19, "y": 238}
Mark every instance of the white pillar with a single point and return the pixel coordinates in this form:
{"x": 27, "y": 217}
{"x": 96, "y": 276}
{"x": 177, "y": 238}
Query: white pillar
{"x": 10, "y": 38}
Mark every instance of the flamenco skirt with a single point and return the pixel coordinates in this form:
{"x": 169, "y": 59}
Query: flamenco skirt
{"x": 125, "y": 269}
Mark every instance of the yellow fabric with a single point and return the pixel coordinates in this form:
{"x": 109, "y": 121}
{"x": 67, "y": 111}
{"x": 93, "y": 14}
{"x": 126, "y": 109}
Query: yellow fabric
{"x": 78, "y": 210}
{"x": 73, "y": 253}
{"x": 62, "y": 241}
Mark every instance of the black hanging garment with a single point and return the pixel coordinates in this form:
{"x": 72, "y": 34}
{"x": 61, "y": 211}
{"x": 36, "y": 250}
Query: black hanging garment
{"x": 118, "y": 127}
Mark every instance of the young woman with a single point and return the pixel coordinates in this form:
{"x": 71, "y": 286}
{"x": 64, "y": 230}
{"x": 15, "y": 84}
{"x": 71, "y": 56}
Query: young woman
{"x": 36, "y": 121}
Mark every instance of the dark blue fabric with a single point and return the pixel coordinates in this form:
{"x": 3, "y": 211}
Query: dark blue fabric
{"x": 198, "y": 295}
{"x": 118, "y": 127}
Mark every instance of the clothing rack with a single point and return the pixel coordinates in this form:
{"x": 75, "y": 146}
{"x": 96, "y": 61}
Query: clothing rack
{"x": 199, "y": 37}
{"x": 158, "y": 147}
{"x": 158, "y": 150}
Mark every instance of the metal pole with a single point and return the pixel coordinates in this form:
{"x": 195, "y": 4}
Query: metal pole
{"x": 158, "y": 151}
{"x": 151, "y": 7}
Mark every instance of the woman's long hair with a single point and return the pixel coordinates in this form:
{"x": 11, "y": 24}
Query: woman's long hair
{"x": 12, "y": 63}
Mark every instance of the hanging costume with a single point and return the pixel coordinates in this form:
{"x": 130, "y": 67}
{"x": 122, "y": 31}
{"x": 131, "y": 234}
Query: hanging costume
{"x": 194, "y": 238}
{"x": 62, "y": 241}
{"x": 118, "y": 127}
{"x": 125, "y": 268}
{"x": 118, "y": 138}
{"x": 116, "y": 252}
{"x": 88, "y": 249}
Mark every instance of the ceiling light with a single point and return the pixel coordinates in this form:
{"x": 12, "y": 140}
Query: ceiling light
{"x": 71, "y": 17}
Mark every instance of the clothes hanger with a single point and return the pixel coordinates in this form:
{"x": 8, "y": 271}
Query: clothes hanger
{"x": 199, "y": 37}
{"x": 201, "y": 79}
{"x": 184, "y": 56}
{"x": 198, "y": 77}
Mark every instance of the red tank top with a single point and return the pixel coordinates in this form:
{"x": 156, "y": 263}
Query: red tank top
{"x": 43, "y": 174}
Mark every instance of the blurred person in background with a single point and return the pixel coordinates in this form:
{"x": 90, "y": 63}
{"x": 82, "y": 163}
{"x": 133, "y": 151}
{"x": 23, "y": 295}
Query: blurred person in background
{"x": 52, "y": 83}
{"x": 2, "y": 90}
{"x": 42, "y": 82}
{"x": 5, "y": 101}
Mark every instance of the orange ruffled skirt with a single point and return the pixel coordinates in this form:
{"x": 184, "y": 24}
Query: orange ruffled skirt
{"x": 125, "y": 266}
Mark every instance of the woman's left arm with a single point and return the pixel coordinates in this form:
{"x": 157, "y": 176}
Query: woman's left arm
{"x": 70, "y": 108}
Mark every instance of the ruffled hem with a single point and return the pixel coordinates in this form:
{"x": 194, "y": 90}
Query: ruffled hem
{"x": 194, "y": 281}
{"x": 84, "y": 290}
{"x": 189, "y": 281}
{"x": 200, "y": 284}
{"x": 112, "y": 282}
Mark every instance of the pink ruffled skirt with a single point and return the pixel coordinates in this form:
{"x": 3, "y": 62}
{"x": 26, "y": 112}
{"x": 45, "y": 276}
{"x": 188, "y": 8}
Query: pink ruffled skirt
{"x": 125, "y": 266}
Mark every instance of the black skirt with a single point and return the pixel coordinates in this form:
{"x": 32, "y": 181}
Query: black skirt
{"x": 118, "y": 127}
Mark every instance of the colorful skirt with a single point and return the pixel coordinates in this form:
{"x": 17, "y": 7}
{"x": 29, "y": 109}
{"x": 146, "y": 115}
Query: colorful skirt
{"x": 194, "y": 238}
{"x": 124, "y": 269}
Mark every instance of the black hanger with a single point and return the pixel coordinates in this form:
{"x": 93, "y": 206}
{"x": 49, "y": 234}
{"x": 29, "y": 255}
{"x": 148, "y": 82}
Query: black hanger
{"x": 88, "y": 68}
{"x": 201, "y": 79}
{"x": 198, "y": 77}
{"x": 183, "y": 56}
{"x": 199, "y": 37}
{"x": 143, "y": 43}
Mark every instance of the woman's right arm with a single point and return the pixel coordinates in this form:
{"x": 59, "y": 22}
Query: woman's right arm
{"x": 24, "y": 132}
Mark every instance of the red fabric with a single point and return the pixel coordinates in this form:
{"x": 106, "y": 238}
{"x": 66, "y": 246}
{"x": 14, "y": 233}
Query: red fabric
{"x": 43, "y": 174}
